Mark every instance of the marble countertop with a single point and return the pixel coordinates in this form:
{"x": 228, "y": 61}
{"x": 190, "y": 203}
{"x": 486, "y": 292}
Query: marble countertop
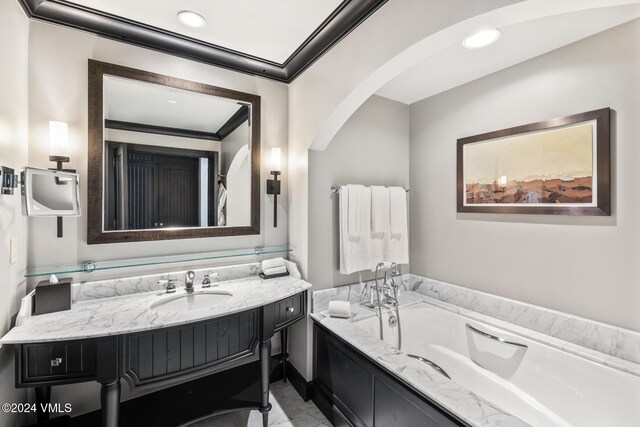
{"x": 466, "y": 405}
{"x": 133, "y": 313}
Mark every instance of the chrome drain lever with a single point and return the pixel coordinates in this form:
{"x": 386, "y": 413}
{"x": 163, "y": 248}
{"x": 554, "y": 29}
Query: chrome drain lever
{"x": 431, "y": 364}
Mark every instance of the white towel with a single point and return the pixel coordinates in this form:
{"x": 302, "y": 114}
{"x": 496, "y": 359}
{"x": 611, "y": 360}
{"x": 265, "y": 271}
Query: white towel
{"x": 398, "y": 211}
{"x": 359, "y": 210}
{"x": 379, "y": 211}
{"x": 275, "y": 270}
{"x": 271, "y": 263}
{"x": 355, "y": 252}
{"x": 222, "y": 201}
{"x": 379, "y": 225}
{"x": 339, "y": 309}
{"x": 398, "y": 250}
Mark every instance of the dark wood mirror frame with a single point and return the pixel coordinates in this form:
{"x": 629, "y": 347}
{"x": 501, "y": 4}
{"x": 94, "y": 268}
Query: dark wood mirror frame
{"x": 95, "y": 179}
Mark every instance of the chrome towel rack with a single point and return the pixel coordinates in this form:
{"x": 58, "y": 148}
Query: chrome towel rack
{"x": 335, "y": 188}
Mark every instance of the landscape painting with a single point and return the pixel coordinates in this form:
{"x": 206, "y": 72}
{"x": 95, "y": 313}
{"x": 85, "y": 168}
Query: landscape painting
{"x": 536, "y": 168}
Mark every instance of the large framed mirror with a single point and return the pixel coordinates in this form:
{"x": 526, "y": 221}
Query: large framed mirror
{"x": 170, "y": 158}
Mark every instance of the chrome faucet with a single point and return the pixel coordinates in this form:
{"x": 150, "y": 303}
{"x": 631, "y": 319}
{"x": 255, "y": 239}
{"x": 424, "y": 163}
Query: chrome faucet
{"x": 188, "y": 281}
{"x": 390, "y": 295}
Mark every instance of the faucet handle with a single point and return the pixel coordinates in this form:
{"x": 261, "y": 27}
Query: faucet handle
{"x": 169, "y": 284}
{"x": 206, "y": 283}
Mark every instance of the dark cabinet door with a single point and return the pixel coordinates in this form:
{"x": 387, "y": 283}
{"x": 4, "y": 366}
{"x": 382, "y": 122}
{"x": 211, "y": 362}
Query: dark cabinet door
{"x": 178, "y": 193}
{"x": 142, "y": 191}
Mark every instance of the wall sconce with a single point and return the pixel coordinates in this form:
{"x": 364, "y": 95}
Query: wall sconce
{"x": 273, "y": 185}
{"x": 59, "y": 153}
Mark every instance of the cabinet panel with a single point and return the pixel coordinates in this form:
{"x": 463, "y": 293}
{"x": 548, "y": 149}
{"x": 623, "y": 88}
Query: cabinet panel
{"x": 55, "y": 362}
{"x": 158, "y": 355}
{"x": 394, "y": 406}
{"x": 346, "y": 379}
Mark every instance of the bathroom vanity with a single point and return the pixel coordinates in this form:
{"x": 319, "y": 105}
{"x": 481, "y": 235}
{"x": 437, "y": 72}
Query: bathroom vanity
{"x": 152, "y": 338}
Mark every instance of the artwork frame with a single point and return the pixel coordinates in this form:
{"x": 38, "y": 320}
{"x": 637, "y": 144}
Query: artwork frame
{"x": 596, "y": 200}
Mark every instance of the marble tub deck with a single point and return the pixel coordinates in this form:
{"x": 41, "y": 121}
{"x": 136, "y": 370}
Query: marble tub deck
{"x": 465, "y": 404}
{"x": 468, "y": 406}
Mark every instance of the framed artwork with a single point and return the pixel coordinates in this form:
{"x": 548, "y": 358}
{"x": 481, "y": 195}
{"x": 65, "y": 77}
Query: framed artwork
{"x": 558, "y": 167}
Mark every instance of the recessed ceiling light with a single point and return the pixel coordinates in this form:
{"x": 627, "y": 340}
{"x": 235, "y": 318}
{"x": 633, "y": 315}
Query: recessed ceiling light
{"x": 481, "y": 39}
{"x": 171, "y": 101}
{"x": 191, "y": 19}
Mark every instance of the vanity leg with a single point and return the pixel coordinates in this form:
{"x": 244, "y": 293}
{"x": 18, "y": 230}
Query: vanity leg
{"x": 265, "y": 371}
{"x": 110, "y": 399}
{"x": 284, "y": 338}
{"x": 43, "y": 398}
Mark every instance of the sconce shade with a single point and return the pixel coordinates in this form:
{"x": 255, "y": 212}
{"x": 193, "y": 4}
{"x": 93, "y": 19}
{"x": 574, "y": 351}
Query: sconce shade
{"x": 58, "y": 139}
{"x": 276, "y": 159}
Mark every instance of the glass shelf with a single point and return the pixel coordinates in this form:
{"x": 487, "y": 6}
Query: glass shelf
{"x": 90, "y": 266}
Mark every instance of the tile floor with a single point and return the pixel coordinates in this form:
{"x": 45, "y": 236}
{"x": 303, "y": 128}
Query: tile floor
{"x": 289, "y": 410}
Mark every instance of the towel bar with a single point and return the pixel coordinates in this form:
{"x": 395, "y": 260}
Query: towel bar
{"x": 335, "y": 188}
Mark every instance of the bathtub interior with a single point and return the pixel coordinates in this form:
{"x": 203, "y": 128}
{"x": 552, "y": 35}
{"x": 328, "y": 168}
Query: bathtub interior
{"x": 541, "y": 385}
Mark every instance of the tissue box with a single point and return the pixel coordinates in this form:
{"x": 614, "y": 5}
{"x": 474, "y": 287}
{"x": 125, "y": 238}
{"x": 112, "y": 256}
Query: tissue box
{"x": 51, "y": 297}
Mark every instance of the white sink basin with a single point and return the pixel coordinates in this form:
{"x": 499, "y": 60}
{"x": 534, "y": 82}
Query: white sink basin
{"x": 195, "y": 301}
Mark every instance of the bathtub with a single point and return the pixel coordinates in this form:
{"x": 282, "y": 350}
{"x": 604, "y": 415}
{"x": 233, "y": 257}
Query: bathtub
{"x": 541, "y": 385}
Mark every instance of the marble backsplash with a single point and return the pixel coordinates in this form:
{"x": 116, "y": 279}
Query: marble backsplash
{"x": 132, "y": 285}
{"x": 608, "y": 339}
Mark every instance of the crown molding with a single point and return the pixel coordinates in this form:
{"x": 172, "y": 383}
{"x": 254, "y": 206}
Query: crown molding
{"x": 341, "y": 22}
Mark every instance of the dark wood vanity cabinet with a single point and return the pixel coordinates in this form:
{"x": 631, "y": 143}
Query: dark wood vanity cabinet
{"x": 152, "y": 357}
{"x": 353, "y": 391}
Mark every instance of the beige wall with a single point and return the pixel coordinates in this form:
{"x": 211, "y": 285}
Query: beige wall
{"x": 58, "y": 91}
{"x": 14, "y": 36}
{"x": 372, "y": 148}
{"x": 580, "y": 265}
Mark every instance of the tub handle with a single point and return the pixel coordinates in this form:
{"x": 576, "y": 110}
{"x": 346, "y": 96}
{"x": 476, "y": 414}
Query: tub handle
{"x": 431, "y": 364}
{"x": 495, "y": 338}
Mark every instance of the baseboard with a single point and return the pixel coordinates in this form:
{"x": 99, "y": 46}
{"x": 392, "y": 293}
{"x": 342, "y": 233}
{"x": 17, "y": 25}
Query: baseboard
{"x": 304, "y": 388}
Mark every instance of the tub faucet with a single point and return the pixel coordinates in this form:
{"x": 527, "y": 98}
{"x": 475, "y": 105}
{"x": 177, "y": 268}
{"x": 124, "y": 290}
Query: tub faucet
{"x": 188, "y": 281}
{"x": 389, "y": 291}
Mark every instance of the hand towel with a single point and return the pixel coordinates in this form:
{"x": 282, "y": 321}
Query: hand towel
{"x": 275, "y": 270}
{"x": 355, "y": 253}
{"x": 222, "y": 201}
{"x": 379, "y": 225}
{"x": 271, "y": 263}
{"x": 359, "y": 210}
{"x": 398, "y": 248}
{"x": 398, "y": 211}
{"x": 340, "y": 309}
{"x": 379, "y": 211}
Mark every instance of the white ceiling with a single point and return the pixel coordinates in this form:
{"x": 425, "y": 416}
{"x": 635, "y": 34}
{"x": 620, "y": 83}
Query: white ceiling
{"x": 140, "y": 102}
{"x": 271, "y": 30}
{"x": 454, "y": 65}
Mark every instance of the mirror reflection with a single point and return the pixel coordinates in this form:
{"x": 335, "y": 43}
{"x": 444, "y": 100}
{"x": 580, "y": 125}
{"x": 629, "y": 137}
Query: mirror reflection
{"x": 174, "y": 158}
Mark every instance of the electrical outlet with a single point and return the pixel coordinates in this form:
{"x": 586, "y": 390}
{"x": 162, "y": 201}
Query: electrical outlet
{"x": 13, "y": 250}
